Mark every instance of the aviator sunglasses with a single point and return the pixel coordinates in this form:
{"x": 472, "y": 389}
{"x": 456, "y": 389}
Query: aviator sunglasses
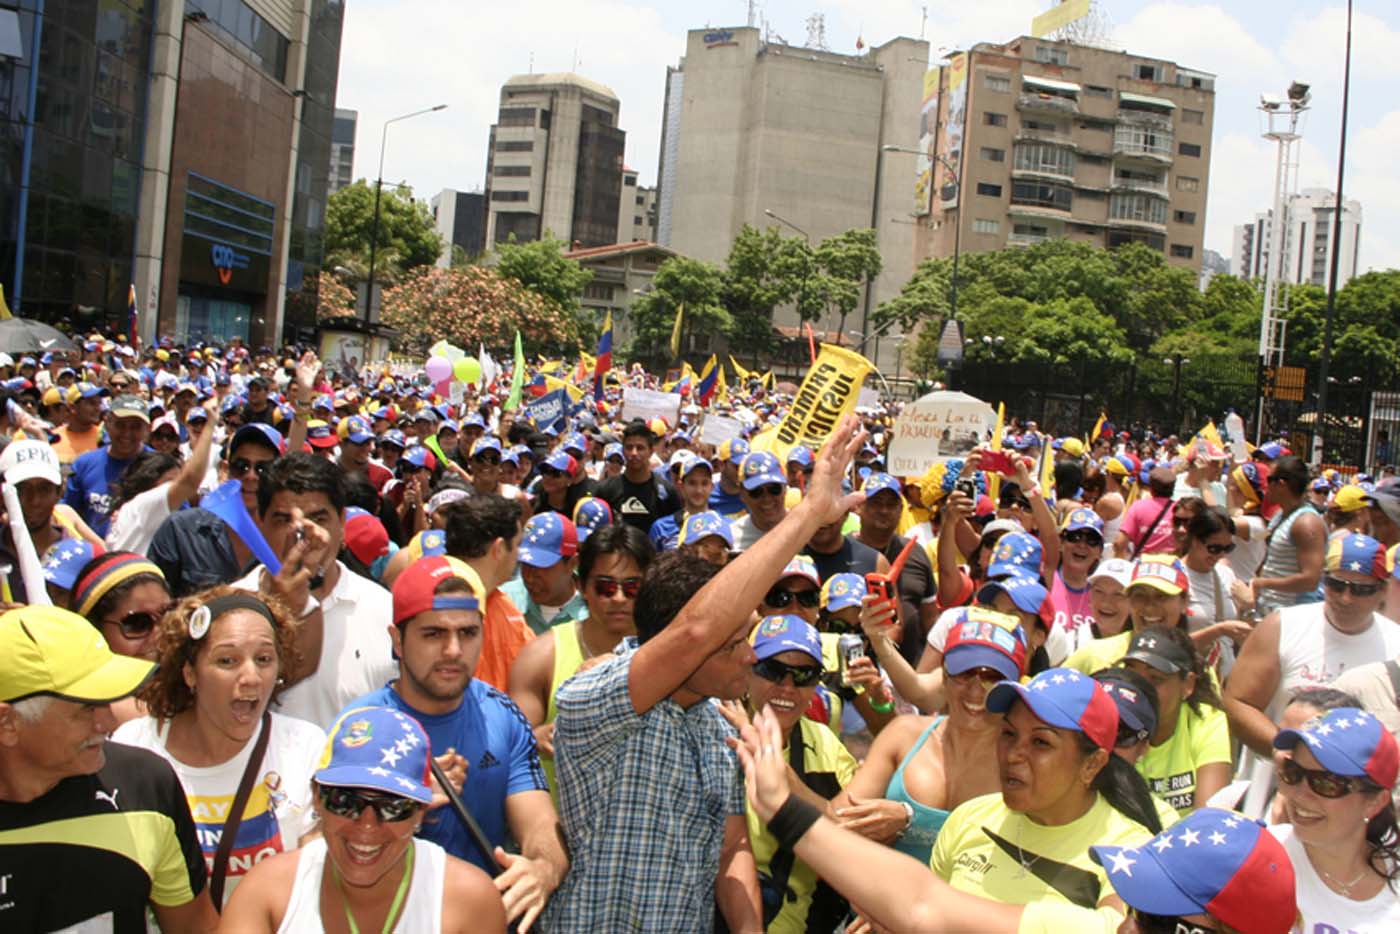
{"x": 1339, "y": 586}
{"x": 606, "y": 587}
{"x": 1324, "y": 784}
{"x": 770, "y": 669}
{"x": 350, "y": 803}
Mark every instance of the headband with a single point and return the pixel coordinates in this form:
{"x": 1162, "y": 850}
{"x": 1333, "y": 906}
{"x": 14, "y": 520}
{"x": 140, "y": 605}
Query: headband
{"x": 203, "y": 617}
{"x": 107, "y": 572}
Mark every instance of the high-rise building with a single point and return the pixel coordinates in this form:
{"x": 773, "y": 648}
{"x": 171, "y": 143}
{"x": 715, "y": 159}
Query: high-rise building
{"x": 180, "y": 147}
{"x": 342, "y": 171}
{"x": 1212, "y": 264}
{"x": 636, "y": 210}
{"x": 1036, "y": 139}
{"x": 1307, "y": 245}
{"x": 755, "y": 130}
{"x": 460, "y": 219}
{"x": 554, "y": 163}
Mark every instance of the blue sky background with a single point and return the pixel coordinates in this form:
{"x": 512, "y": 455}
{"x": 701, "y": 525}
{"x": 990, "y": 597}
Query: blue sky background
{"x": 402, "y": 56}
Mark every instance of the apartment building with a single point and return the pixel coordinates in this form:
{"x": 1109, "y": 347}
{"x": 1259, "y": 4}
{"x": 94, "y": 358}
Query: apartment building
{"x": 1308, "y": 243}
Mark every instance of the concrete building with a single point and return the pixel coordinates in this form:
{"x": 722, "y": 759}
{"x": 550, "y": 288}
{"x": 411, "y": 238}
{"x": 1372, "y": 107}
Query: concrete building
{"x": 554, "y": 162}
{"x": 636, "y": 210}
{"x": 753, "y": 126}
{"x": 1036, "y": 139}
{"x": 1307, "y": 247}
{"x": 182, "y": 147}
{"x": 620, "y": 272}
{"x": 1212, "y": 264}
{"x": 342, "y": 171}
{"x": 460, "y": 219}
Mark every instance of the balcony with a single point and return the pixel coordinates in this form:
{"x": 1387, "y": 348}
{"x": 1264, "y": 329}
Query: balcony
{"x": 1146, "y": 186}
{"x": 1053, "y": 173}
{"x": 1138, "y": 222}
{"x": 1156, "y": 151}
{"x": 1029, "y": 134}
{"x": 1047, "y": 103}
{"x": 1026, "y": 239}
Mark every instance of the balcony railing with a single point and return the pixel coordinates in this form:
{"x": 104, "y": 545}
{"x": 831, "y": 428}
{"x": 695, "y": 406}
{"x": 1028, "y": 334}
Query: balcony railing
{"x": 1048, "y": 102}
{"x": 1031, "y": 134}
{"x": 1026, "y": 239}
{"x": 1140, "y": 184}
{"x": 1134, "y": 149}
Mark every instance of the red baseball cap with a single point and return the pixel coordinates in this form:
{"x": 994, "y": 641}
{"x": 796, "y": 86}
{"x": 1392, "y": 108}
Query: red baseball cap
{"x": 414, "y": 589}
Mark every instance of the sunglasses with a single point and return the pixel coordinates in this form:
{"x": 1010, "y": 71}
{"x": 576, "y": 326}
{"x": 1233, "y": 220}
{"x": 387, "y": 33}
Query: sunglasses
{"x": 1220, "y": 549}
{"x": 1166, "y": 924}
{"x": 490, "y": 461}
{"x": 139, "y": 623}
{"x": 606, "y": 587}
{"x": 1083, "y": 537}
{"x": 1324, "y": 784}
{"x": 768, "y": 489}
{"x": 350, "y": 803}
{"x": 779, "y": 598}
{"x": 1013, "y": 502}
{"x": 240, "y": 466}
{"x": 550, "y": 472}
{"x": 1182, "y": 522}
{"x": 770, "y": 669}
{"x": 985, "y": 675}
{"x": 1339, "y": 586}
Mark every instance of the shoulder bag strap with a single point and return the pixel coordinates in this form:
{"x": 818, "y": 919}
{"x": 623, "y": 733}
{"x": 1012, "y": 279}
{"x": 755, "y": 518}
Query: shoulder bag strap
{"x": 780, "y": 866}
{"x": 235, "y": 814}
{"x": 1142, "y": 540}
{"x": 1392, "y": 668}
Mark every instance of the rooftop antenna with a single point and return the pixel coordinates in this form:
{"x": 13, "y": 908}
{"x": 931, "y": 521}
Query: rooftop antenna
{"x": 1093, "y": 29}
{"x": 923, "y": 21}
{"x": 753, "y": 13}
{"x": 816, "y": 32}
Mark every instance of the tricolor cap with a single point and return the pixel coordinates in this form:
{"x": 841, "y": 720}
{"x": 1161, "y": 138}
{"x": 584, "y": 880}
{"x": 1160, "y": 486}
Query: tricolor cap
{"x": 590, "y": 515}
{"x": 319, "y": 434}
{"x": 1320, "y": 485}
{"x": 1083, "y": 518}
{"x": 1356, "y": 552}
{"x": 420, "y": 456}
{"x": 1134, "y": 707}
{"x": 1016, "y": 553}
{"x": 881, "y": 483}
{"x": 841, "y": 591}
{"x": 801, "y": 455}
{"x": 63, "y": 564}
{"x": 486, "y": 443}
{"x": 549, "y": 538}
{"x": 760, "y": 469}
{"x": 786, "y": 633}
{"x": 378, "y": 749}
{"x": 90, "y": 391}
{"x": 575, "y": 442}
{"x": 1273, "y": 450}
{"x": 258, "y": 433}
{"x": 1348, "y": 741}
{"x": 357, "y": 431}
{"x": 703, "y": 525}
{"x": 1066, "y": 699}
{"x": 734, "y": 451}
{"x": 395, "y": 438}
{"x": 474, "y": 420}
{"x": 1027, "y": 592}
{"x": 51, "y": 652}
{"x": 414, "y": 588}
{"x": 429, "y": 543}
{"x": 613, "y": 450}
{"x": 1161, "y": 572}
{"x": 984, "y": 638}
{"x": 561, "y": 461}
{"x": 801, "y": 566}
{"x": 1211, "y": 861}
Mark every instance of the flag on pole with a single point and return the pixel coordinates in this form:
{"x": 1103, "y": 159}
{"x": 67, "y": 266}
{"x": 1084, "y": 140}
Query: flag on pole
{"x": 739, "y": 370}
{"x": 1098, "y": 427}
{"x": 676, "y": 332}
{"x": 994, "y": 478}
{"x": 811, "y": 341}
{"x": 709, "y": 381}
{"x": 132, "y": 330}
{"x": 604, "y": 362}
{"x": 4, "y": 308}
{"x": 517, "y": 378}
{"x": 490, "y": 369}
{"x": 722, "y": 395}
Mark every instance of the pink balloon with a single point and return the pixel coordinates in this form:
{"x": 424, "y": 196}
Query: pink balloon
{"x": 438, "y": 369}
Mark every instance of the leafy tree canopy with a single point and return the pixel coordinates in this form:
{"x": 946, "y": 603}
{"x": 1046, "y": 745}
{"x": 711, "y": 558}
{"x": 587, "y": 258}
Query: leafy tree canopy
{"x": 679, "y": 282}
{"x": 541, "y": 267}
{"x": 406, "y": 238}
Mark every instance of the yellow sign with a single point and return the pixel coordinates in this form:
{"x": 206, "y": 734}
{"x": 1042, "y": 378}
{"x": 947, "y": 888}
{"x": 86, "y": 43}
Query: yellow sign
{"x": 1057, "y": 17}
{"x": 829, "y": 392}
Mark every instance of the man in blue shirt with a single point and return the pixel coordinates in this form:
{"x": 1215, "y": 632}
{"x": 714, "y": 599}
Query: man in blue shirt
{"x": 89, "y": 488}
{"x": 437, "y": 635}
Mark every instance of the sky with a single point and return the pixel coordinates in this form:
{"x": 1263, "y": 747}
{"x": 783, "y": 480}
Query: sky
{"x": 399, "y": 56}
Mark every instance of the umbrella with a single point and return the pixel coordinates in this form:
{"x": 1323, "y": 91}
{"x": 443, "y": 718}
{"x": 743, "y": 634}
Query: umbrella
{"x": 25, "y": 335}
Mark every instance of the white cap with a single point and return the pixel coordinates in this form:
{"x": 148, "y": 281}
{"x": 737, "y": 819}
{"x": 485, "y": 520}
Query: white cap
{"x": 30, "y": 460}
{"x": 680, "y": 458}
{"x": 6, "y": 360}
{"x": 1119, "y": 569}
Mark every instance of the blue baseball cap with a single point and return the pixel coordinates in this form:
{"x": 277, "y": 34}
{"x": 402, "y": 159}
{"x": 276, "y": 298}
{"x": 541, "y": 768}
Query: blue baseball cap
{"x": 357, "y": 430}
{"x": 91, "y": 391}
{"x": 395, "y": 438}
{"x": 379, "y": 749}
{"x": 1064, "y": 698}
{"x": 693, "y": 463}
{"x": 843, "y": 590}
{"x": 549, "y": 538}
{"x": 703, "y": 525}
{"x": 1015, "y": 553}
{"x": 486, "y": 443}
{"x": 258, "y": 433}
{"x": 574, "y": 441}
{"x": 420, "y": 456}
{"x": 734, "y": 450}
{"x": 613, "y": 450}
{"x": 1134, "y": 708}
{"x": 590, "y": 515}
{"x": 880, "y": 483}
{"x": 801, "y": 455}
{"x": 1083, "y": 518}
{"x": 1348, "y": 741}
{"x": 63, "y": 564}
{"x": 801, "y": 566}
{"x": 1027, "y": 592}
{"x": 786, "y": 633}
{"x": 474, "y": 420}
{"x": 561, "y": 461}
{"x": 1356, "y": 552}
{"x": 760, "y": 469}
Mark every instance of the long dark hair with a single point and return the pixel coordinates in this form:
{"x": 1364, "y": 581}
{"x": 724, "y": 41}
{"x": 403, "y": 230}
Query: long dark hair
{"x": 1383, "y": 838}
{"x": 1123, "y": 788}
{"x": 142, "y": 474}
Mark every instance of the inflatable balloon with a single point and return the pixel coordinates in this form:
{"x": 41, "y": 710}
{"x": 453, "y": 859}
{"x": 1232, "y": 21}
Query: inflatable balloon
{"x": 438, "y": 369}
{"x": 467, "y": 370}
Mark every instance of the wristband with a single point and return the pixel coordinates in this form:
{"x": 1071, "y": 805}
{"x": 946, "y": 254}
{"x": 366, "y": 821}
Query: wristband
{"x": 886, "y": 707}
{"x": 792, "y": 820}
{"x": 908, "y": 816}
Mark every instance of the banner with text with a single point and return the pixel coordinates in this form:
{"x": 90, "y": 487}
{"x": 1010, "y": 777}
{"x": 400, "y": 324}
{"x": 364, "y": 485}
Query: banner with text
{"x": 647, "y": 404}
{"x": 936, "y": 427}
{"x": 548, "y": 409}
{"x": 829, "y": 393}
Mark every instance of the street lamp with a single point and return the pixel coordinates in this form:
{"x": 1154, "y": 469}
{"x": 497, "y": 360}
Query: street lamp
{"x": 378, "y": 189}
{"x": 956, "y": 185}
{"x": 788, "y": 223}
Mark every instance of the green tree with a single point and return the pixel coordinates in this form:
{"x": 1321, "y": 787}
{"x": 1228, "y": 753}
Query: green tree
{"x": 1228, "y": 326}
{"x": 679, "y": 282}
{"x": 845, "y": 262}
{"x": 406, "y": 238}
{"x": 764, "y": 270}
{"x": 540, "y": 266}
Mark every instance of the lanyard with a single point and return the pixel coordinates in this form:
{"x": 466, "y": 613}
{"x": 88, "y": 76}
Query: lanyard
{"x": 393, "y": 907}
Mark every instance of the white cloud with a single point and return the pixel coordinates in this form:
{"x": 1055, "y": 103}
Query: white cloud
{"x": 1202, "y": 37}
{"x": 1319, "y": 39}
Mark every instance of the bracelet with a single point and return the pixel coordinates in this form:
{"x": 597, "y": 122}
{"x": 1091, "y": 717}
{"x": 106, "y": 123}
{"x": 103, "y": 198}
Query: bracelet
{"x": 792, "y": 820}
{"x": 886, "y": 707}
{"x": 908, "y": 816}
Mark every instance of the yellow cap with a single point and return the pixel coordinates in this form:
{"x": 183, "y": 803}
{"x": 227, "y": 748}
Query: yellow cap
{"x": 56, "y": 653}
{"x": 162, "y": 354}
{"x": 1350, "y": 498}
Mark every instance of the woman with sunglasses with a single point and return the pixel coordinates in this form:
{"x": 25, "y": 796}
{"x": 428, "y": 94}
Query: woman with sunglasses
{"x": 222, "y": 653}
{"x": 1335, "y": 778}
{"x": 367, "y": 871}
{"x": 1081, "y": 548}
{"x": 124, "y": 595}
{"x": 1214, "y": 619}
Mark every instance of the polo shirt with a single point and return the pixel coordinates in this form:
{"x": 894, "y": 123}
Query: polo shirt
{"x": 575, "y": 609}
{"x": 89, "y": 487}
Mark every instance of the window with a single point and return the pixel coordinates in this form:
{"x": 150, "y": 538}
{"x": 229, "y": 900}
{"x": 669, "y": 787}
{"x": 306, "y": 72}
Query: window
{"x": 510, "y": 196}
{"x": 1051, "y": 55}
{"x": 516, "y": 116}
{"x": 1094, "y": 90}
{"x": 1147, "y": 72}
{"x": 1042, "y": 194}
{"x": 1187, "y": 183}
{"x": 997, "y": 83}
{"x": 1031, "y": 230}
{"x": 1044, "y": 157}
{"x": 1128, "y": 206}
{"x": 1117, "y": 238}
{"x": 512, "y": 171}
{"x": 988, "y": 189}
{"x": 1197, "y": 117}
{"x": 984, "y": 226}
{"x": 1189, "y": 149}
{"x": 524, "y": 145}
{"x": 641, "y": 199}
{"x": 991, "y": 119}
{"x": 1182, "y": 251}
{"x": 993, "y": 155}
{"x": 1040, "y": 125}
{"x": 1132, "y": 137}
{"x": 636, "y": 220}
{"x": 1184, "y": 217}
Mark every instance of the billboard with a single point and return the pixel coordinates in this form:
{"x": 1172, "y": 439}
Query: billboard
{"x": 928, "y": 142}
{"x": 1058, "y": 17}
{"x": 954, "y": 123}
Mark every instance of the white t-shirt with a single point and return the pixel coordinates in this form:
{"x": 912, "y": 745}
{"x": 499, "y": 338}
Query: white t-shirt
{"x": 356, "y": 653}
{"x": 1204, "y": 586}
{"x": 279, "y": 809}
{"x": 1325, "y": 911}
{"x": 136, "y": 521}
{"x": 1245, "y": 559}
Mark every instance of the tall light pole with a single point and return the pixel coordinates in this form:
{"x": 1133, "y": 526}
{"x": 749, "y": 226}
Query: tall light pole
{"x": 378, "y": 189}
{"x": 787, "y": 223}
{"x": 1326, "y": 363}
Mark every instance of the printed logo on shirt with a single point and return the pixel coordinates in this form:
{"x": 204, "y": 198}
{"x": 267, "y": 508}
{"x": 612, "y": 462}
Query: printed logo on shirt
{"x": 975, "y": 863}
{"x": 488, "y": 761}
{"x": 259, "y": 833}
{"x": 1177, "y": 790}
{"x": 631, "y": 506}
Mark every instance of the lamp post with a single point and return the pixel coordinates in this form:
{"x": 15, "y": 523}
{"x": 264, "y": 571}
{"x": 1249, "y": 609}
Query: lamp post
{"x": 956, "y": 185}
{"x": 378, "y": 189}
{"x": 787, "y": 223}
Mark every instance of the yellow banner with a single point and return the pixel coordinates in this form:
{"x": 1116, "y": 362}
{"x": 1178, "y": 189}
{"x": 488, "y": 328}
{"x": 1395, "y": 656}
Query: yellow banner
{"x": 828, "y": 393}
{"x": 1057, "y": 17}
{"x": 994, "y": 478}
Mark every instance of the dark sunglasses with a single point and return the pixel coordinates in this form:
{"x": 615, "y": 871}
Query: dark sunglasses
{"x": 1220, "y": 549}
{"x": 607, "y": 587}
{"x": 1324, "y": 784}
{"x": 1009, "y": 502}
{"x": 779, "y": 598}
{"x": 240, "y": 466}
{"x": 985, "y": 675}
{"x": 489, "y": 460}
{"x": 1084, "y": 537}
{"x": 550, "y": 472}
{"x": 350, "y": 803}
{"x": 139, "y": 623}
{"x": 1339, "y": 586}
{"x": 768, "y": 489}
{"x": 1166, "y": 924}
{"x": 770, "y": 669}
{"x": 1182, "y": 522}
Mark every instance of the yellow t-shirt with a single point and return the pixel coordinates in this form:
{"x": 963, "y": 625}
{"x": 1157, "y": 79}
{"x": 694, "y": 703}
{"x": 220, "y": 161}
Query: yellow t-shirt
{"x": 971, "y": 860}
{"x": 824, "y": 753}
{"x": 1100, "y": 653}
{"x": 1170, "y": 769}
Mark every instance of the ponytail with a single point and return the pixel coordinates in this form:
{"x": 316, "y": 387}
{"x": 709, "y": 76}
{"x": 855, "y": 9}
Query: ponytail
{"x": 1123, "y": 788}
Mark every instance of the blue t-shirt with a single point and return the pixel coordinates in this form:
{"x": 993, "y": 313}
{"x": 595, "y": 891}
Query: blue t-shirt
{"x": 666, "y": 532}
{"x": 89, "y": 488}
{"x": 728, "y": 505}
{"x": 491, "y": 733}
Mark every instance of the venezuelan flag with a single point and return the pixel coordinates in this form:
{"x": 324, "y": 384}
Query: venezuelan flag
{"x": 604, "y": 362}
{"x": 709, "y": 381}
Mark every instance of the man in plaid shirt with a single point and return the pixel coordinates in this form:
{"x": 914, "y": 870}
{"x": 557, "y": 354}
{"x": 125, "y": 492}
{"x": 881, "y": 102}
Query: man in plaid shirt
{"x": 652, "y": 799}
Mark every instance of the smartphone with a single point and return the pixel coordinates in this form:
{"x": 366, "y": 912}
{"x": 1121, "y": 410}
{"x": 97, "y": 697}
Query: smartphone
{"x": 968, "y": 488}
{"x": 998, "y": 462}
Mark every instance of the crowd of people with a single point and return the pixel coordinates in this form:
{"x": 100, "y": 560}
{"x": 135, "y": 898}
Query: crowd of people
{"x": 284, "y": 649}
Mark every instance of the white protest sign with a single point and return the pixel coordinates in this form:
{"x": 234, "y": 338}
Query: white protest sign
{"x": 716, "y": 429}
{"x": 647, "y": 404}
{"x": 936, "y": 427}
{"x": 869, "y": 398}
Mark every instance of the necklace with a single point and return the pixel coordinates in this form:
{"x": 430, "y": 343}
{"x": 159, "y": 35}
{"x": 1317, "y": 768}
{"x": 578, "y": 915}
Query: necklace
{"x": 1026, "y": 864}
{"x": 394, "y": 906}
{"x": 583, "y": 643}
{"x": 1345, "y": 887}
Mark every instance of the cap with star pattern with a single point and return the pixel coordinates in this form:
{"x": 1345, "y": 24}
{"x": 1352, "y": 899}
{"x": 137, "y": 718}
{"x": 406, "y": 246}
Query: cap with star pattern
{"x": 1064, "y": 698}
{"x": 549, "y": 539}
{"x": 1016, "y": 553}
{"x": 379, "y": 749}
{"x": 1212, "y": 861}
{"x": 1356, "y": 552}
{"x": 1349, "y": 741}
